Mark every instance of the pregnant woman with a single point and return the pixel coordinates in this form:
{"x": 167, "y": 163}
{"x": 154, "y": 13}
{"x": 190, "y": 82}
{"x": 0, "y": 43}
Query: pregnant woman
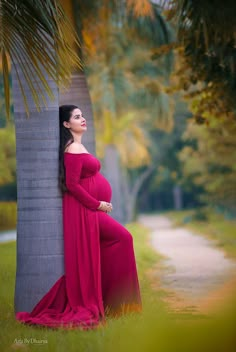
{"x": 100, "y": 270}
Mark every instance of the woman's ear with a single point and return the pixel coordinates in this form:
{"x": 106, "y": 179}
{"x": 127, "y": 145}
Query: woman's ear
{"x": 65, "y": 124}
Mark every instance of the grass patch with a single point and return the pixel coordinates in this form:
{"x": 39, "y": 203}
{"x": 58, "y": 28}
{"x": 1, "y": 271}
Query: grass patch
{"x": 208, "y": 223}
{"x": 8, "y": 215}
{"x": 154, "y": 330}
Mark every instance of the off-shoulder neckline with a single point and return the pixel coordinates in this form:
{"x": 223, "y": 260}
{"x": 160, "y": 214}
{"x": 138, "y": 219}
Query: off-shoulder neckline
{"x": 77, "y": 153}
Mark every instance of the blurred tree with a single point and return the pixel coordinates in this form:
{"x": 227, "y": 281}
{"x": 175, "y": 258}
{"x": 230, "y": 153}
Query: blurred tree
{"x": 142, "y": 18}
{"x": 205, "y": 74}
{"x": 207, "y": 45}
{"x": 212, "y": 162}
{"x": 167, "y": 179}
{"x": 126, "y": 94}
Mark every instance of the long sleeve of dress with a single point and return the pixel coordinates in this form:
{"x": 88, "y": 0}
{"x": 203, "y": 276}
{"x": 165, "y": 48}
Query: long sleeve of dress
{"x": 72, "y": 174}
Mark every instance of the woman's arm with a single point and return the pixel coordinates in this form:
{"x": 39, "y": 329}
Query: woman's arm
{"x": 73, "y": 169}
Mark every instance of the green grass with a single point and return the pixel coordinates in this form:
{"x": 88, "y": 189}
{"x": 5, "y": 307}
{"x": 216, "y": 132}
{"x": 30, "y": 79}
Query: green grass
{"x": 215, "y": 227}
{"x": 8, "y": 215}
{"x": 154, "y": 330}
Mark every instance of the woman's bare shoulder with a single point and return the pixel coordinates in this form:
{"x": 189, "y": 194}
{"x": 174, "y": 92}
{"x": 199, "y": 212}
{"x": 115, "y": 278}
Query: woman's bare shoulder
{"x": 75, "y": 148}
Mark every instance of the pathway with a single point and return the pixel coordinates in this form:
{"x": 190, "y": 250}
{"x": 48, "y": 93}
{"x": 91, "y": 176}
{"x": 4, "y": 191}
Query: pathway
{"x": 194, "y": 268}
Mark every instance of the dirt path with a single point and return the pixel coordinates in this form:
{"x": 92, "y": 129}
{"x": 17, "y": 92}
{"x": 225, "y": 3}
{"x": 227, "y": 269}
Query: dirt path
{"x": 194, "y": 271}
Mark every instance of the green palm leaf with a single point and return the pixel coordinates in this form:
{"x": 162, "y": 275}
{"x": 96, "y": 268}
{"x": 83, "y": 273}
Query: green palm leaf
{"x": 38, "y": 38}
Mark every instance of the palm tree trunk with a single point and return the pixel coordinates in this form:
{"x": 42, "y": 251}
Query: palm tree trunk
{"x": 39, "y": 206}
{"x": 177, "y": 197}
{"x": 132, "y": 193}
{"x": 78, "y": 94}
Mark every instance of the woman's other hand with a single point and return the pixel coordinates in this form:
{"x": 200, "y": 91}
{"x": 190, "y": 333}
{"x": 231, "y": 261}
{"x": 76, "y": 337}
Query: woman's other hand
{"x": 105, "y": 206}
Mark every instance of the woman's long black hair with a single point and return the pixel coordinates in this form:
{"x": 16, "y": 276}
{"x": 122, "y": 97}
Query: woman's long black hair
{"x": 66, "y": 138}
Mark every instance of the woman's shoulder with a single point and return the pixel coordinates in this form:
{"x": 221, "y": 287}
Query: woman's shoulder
{"x": 75, "y": 148}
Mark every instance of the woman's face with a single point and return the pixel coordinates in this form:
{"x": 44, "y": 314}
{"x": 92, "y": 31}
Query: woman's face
{"x": 77, "y": 122}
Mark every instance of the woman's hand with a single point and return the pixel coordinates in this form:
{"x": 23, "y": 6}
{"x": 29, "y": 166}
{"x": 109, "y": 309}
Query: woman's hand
{"x": 105, "y": 206}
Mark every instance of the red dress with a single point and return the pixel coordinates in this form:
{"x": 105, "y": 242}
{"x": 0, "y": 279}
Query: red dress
{"x": 100, "y": 270}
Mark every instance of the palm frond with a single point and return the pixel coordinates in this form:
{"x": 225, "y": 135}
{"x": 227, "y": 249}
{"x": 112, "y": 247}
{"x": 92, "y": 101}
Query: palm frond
{"x": 41, "y": 42}
{"x": 140, "y": 8}
{"x": 207, "y": 30}
{"x": 153, "y": 28}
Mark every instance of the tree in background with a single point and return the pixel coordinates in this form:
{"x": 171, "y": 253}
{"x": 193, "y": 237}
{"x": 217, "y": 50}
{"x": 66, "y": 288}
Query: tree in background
{"x": 211, "y": 162}
{"x": 127, "y": 90}
{"x": 206, "y": 38}
{"x": 166, "y": 188}
{"x": 205, "y": 76}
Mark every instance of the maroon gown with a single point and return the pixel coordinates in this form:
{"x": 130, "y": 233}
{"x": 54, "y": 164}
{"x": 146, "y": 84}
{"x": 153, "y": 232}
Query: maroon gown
{"x": 100, "y": 270}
